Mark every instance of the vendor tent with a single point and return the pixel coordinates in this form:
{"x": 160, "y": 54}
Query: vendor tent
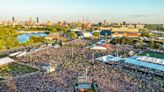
{"x": 5, "y": 60}
{"x": 98, "y": 48}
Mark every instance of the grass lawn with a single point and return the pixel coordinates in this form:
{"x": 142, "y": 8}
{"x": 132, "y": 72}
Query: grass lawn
{"x": 4, "y": 55}
{"x": 152, "y": 54}
{"x": 15, "y": 69}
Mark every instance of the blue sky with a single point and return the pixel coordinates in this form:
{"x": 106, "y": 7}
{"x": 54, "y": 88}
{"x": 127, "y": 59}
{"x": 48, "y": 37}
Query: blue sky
{"x": 133, "y": 11}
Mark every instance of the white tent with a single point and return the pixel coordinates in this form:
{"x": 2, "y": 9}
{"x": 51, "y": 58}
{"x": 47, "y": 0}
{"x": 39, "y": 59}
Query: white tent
{"x": 163, "y": 62}
{"x": 5, "y": 60}
{"x": 87, "y": 34}
{"x": 151, "y": 59}
{"x": 109, "y": 58}
{"x": 103, "y": 59}
{"x": 154, "y": 60}
{"x": 115, "y": 59}
{"x": 22, "y": 54}
{"x": 158, "y": 61}
{"x": 98, "y": 48}
{"x": 14, "y": 54}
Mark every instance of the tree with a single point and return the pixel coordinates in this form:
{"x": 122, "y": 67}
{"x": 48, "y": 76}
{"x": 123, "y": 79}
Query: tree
{"x": 8, "y": 38}
{"x": 151, "y": 44}
{"x": 56, "y": 28}
{"x": 2, "y": 43}
{"x": 124, "y": 40}
{"x": 139, "y": 44}
{"x": 129, "y": 41}
{"x": 35, "y": 39}
{"x": 117, "y": 40}
{"x": 145, "y": 32}
{"x": 96, "y": 34}
{"x": 72, "y": 35}
{"x": 158, "y": 46}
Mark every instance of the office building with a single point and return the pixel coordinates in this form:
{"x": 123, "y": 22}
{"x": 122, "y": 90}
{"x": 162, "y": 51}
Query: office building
{"x": 37, "y": 19}
{"x": 13, "y": 19}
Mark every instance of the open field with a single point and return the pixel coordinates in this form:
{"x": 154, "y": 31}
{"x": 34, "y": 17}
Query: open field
{"x": 14, "y": 69}
{"x": 152, "y": 54}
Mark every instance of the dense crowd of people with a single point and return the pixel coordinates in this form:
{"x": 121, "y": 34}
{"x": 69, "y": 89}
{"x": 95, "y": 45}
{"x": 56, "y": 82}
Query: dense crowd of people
{"x": 74, "y": 60}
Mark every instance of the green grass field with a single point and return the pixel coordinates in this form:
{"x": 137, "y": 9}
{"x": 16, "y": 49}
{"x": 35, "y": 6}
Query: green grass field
{"x": 4, "y": 55}
{"x": 152, "y": 54}
{"x": 15, "y": 69}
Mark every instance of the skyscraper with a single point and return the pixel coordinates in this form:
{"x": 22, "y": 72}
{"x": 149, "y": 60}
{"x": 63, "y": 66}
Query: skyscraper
{"x": 105, "y": 22}
{"x": 37, "y": 19}
{"x": 30, "y": 20}
{"x": 13, "y": 19}
{"x": 124, "y": 23}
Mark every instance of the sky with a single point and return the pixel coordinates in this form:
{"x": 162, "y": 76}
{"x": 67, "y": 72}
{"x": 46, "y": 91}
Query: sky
{"x": 132, "y": 11}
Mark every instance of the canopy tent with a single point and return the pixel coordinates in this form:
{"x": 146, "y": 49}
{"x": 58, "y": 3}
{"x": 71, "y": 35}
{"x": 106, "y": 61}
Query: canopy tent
{"x": 134, "y": 61}
{"x": 109, "y": 58}
{"x": 98, "y": 48}
{"x": 116, "y": 59}
{"x": 22, "y": 54}
{"x": 104, "y": 58}
{"x": 14, "y": 54}
{"x": 87, "y": 34}
{"x": 151, "y": 60}
{"x": 106, "y": 32}
{"x": 5, "y": 60}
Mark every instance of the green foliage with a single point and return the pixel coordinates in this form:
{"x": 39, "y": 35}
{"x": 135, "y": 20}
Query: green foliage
{"x": 51, "y": 29}
{"x": 35, "y": 39}
{"x": 72, "y": 35}
{"x": 139, "y": 44}
{"x": 96, "y": 34}
{"x": 13, "y": 69}
{"x": 124, "y": 40}
{"x": 27, "y": 43}
{"x": 8, "y": 38}
{"x": 8, "y": 35}
{"x": 158, "y": 46}
{"x": 129, "y": 41}
{"x": 155, "y": 45}
{"x": 144, "y": 33}
{"x": 151, "y": 44}
{"x": 152, "y": 54}
{"x": 56, "y": 28}
{"x": 155, "y": 27}
{"x": 117, "y": 40}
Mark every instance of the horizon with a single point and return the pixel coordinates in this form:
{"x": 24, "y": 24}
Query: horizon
{"x": 77, "y": 10}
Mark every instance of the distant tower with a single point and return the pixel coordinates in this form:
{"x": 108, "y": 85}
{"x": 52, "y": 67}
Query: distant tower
{"x": 100, "y": 23}
{"x": 83, "y": 20}
{"x": 105, "y": 22}
{"x": 124, "y": 23}
{"x": 37, "y": 19}
{"x": 49, "y": 23}
{"x": 30, "y": 20}
{"x": 13, "y": 19}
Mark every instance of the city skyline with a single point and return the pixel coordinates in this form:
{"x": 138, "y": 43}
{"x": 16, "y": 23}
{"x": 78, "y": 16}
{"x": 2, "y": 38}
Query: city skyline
{"x": 138, "y": 11}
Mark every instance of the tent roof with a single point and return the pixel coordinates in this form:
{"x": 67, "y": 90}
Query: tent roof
{"x": 98, "y": 48}
{"x": 109, "y": 58}
{"x": 5, "y": 60}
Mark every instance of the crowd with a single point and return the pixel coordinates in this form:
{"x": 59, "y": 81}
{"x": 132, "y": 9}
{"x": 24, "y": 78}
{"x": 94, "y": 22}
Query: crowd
{"x": 74, "y": 60}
